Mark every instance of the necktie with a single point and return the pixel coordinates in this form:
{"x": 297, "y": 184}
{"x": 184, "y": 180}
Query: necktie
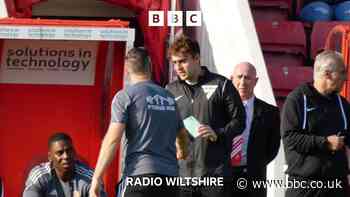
{"x": 236, "y": 154}
{"x": 237, "y": 145}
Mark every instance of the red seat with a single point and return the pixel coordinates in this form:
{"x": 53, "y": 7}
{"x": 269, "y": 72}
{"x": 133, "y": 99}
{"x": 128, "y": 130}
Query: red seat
{"x": 282, "y": 43}
{"x": 285, "y": 79}
{"x": 319, "y": 35}
{"x": 271, "y": 10}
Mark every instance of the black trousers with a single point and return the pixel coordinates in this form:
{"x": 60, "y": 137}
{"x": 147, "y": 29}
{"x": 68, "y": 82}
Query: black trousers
{"x": 319, "y": 188}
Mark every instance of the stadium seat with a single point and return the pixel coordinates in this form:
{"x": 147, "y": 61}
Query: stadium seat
{"x": 285, "y": 79}
{"x": 342, "y": 10}
{"x": 271, "y": 10}
{"x": 282, "y": 43}
{"x": 319, "y": 35}
{"x": 316, "y": 11}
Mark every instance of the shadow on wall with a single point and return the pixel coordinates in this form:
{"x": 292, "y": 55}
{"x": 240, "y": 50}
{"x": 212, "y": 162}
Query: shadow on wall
{"x": 202, "y": 36}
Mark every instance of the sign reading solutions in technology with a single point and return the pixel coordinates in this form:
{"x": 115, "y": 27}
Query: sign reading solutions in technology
{"x": 48, "y": 62}
{"x": 175, "y": 18}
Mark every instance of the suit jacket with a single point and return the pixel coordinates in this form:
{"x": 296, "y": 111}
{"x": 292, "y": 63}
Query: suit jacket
{"x": 264, "y": 138}
{"x": 263, "y": 145}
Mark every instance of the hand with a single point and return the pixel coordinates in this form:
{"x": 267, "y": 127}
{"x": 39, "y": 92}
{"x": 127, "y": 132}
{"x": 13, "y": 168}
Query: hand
{"x": 335, "y": 142}
{"x": 206, "y": 131}
{"x": 76, "y": 194}
{"x": 181, "y": 154}
{"x": 182, "y": 144}
{"x": 94, "y": 189}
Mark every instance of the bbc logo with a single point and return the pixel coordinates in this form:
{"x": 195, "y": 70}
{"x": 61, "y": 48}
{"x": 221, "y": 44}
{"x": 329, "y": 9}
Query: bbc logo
{"x": 175, "y": 18}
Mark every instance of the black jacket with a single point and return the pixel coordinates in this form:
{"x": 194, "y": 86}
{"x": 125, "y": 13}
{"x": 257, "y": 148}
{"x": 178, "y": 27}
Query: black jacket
{"x": 213, "y": 101}
{"x": 307, "y": 119}
{"x": 264, "y": 138}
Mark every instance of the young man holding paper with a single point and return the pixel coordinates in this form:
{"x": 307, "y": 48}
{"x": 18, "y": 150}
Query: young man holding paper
{"x": 212, "y": 112}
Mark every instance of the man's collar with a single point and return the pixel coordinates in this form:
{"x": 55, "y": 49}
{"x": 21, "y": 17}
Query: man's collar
{"x": 202, "y": 75}
{"x": 313, "y": 92}
{"x": 249, "y": 102}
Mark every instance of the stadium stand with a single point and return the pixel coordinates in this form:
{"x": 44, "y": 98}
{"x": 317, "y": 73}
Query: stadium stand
{"x": 319, "y": 35}
{"x": 285, "y": 78}
{"x": 283, "y": 43}
{"x": 271, "y": 10}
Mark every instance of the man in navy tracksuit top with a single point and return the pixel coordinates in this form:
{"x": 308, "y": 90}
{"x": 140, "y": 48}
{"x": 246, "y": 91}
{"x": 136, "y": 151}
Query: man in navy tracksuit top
{"x": 315, "y": 131}
{"x": 215, "y": 103}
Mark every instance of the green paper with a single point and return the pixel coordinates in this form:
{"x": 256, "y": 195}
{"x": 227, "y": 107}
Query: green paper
{"x": 192, "y": 124}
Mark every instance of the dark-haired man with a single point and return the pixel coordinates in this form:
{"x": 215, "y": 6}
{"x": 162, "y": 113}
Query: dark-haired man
{"x": 62, "y": 176}
{"x": 147, "y": 113}
{"x": 215, "y": 103}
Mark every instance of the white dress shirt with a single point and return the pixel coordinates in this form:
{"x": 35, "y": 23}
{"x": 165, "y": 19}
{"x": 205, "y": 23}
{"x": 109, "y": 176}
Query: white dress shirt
{"x": 249, "y": 109}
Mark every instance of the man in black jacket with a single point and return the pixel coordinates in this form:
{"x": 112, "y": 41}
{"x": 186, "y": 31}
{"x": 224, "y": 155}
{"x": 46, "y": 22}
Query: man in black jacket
{"x": 214, "y": 102}
{"x": 261, "y": 137}
{"x": 315, "y": 121}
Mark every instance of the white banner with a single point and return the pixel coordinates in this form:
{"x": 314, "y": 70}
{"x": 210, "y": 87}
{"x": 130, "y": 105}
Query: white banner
{"x": 48, "y": 62}
{"x": 66, "y": 33}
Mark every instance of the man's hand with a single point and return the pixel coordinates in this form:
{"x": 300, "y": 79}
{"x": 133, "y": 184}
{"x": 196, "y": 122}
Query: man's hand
{"x": 181, "y": 155}
{"x": 335, "y": 142}
{"x": 206, "y": 131}
{"x": 76, "y": 194}
{"x": 94, "y": 189}
{"x": 182, "y": 144}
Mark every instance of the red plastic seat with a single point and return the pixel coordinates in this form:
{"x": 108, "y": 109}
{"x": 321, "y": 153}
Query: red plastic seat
{"x": 319, "y": 35}
{"x": 285, "y": 79}
{"x": 282, "y": 43}
{"x": 283, "y": 59}
{"x": 271, "y": 10}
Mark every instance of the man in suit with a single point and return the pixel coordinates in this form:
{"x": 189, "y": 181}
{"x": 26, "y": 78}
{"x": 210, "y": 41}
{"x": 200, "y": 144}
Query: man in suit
{"x": 260, "y": 141}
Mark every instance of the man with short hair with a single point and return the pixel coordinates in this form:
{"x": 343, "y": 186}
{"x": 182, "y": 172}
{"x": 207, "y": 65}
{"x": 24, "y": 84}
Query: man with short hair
{"x": 315, "y": 121}
{"x": 63, "y": 175}
{"x": 153, "y": 131}
{"x": 260, "y": 141}
{"x": 212, "y": 100}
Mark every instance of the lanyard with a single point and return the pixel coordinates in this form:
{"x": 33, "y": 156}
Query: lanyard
{"x": 341, "y": 109}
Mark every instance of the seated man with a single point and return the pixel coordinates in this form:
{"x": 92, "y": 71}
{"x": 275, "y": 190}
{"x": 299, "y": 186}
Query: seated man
{"x": 62, "y": 175}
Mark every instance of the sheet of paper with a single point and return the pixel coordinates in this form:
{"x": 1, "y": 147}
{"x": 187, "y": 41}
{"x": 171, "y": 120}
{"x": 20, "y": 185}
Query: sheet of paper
{"x": 192, "y": 124}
